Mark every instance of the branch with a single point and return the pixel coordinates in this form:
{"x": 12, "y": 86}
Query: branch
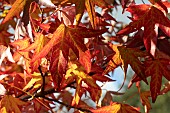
{"x": 43, "y": 79}
{"x": 69, "y": 106}
{"x": 49, "y": 91}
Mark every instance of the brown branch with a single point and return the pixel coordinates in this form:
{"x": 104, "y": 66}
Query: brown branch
{"x": 43, "y": 79}
{"x": 49, "y": 91}
{"x": 69, "y": 106}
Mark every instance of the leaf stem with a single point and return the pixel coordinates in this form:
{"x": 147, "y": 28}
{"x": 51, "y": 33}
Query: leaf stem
{"x": 69, "y": 106}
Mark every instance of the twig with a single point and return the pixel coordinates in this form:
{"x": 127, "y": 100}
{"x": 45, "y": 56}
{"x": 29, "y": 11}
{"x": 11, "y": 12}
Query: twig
{"x": 69, "y": 106}
{"x": 49, "y": 91}
{"x": 43, "y": 80}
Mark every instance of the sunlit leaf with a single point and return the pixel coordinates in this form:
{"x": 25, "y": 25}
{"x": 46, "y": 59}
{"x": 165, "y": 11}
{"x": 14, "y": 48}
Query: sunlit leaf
{"x": 84, "y": 82}
{"x": 116, "y": 108}
{"x": 17, "y": 7}
{"x": 125, "y": 56}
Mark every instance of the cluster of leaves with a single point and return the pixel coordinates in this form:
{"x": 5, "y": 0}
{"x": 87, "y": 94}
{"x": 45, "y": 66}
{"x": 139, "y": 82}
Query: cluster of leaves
{"x": 46, "y": 48}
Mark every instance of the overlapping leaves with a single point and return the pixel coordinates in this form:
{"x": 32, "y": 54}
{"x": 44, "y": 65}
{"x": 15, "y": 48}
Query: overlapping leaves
{"x": 84, "y": 83}
{"x": 89, "y": 5}
{"x": 64, "y": 39}
{"x": 127, "y": 56}
{"x": 157, "y": 68}
{"x": 148, "y": 17}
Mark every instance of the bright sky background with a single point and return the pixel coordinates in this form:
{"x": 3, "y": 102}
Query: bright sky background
{"x": 118, "y": 74}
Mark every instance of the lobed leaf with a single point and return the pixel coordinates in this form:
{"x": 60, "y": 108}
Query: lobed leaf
{"x": 125, "y": 56}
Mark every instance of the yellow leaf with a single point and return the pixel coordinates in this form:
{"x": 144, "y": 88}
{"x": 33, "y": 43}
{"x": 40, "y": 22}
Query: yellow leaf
{"x": 84, "y": 82}
{"x": 36, "y": 81}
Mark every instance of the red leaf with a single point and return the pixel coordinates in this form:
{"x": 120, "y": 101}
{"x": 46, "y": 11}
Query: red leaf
{"x": 148, "y": 17}
{"x": 63, "y": 39}
{"x": 157, "y": 68}
{"x": 125, "y": 56}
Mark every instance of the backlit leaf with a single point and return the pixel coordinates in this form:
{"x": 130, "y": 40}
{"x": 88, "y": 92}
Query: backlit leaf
{"x": 125, "y": 56}
{"x": 36, "y": 81}
{"x": 148, "y": 17}
{"x": 89, "y": 5}
{"x": 157, "y": 68}
{"x": 40, "y": 41}
{"x": 63, "y": 39}
{"x": 17, "y": 7}
{"x": 84, "y": 82}
{"x": 116, "y": 108}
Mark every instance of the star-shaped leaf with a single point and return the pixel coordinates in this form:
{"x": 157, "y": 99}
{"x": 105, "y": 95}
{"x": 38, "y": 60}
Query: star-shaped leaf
{"x": 64, "y": 39}
{"x": 127, "y": 56}
{"x": 149, "y": 17}
{"x": 157, "y": 68}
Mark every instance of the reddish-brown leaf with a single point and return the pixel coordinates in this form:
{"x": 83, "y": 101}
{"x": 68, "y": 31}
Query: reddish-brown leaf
{"x": 11, "y": 104}
{"x": 157, "y": 68}
{"x": 63, "y": 39}
{"x": 89, "y": 5}
{"x": 148, "y": 17}
{"x": 125, "y": 56}
{"x": 145, "y": 100}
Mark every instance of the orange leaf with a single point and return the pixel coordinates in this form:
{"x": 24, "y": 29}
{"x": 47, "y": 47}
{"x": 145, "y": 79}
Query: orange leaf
{"x": 40, "y": 41}
{"x": 17, "y": 7}
{"x": 116, "y": 108}
{"x": 20, "y": 45}
{"x": 84, "y": 82}
{"x": 85, "y": 60}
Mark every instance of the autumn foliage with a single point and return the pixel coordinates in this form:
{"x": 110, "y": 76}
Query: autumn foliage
{"x": 61, "y": 52}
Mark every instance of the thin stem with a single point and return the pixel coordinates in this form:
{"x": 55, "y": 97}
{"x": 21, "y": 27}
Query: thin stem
{"x": 43, "y": 79}
{"x": 130, "y": 97}
{"x": 49, "y": 91}
{"x": 69, "y": 106}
